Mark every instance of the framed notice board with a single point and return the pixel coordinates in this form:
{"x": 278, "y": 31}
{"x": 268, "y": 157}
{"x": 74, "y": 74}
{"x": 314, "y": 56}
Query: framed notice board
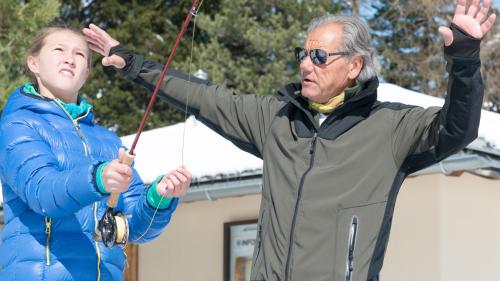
{"x": 239, "y": 242}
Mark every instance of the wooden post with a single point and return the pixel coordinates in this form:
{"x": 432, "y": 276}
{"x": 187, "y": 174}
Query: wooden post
{"x": 131, "y": 272}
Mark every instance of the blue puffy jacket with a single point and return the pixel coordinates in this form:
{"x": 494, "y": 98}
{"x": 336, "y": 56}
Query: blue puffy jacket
{"x": 51, "y": 204}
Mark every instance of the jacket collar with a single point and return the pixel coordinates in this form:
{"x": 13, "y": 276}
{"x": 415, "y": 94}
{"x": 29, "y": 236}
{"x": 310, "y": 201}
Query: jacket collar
{"x": 41, "y": 105}
{"x": 291, "y": 93}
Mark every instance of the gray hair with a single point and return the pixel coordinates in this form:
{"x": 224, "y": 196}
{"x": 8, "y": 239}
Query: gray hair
{"x": 356, "y": 41}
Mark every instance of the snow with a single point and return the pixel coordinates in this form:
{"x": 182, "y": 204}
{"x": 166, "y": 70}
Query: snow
{"x": 205, "y": 153}
{"x": 489, "y": 127}
{"x": 208, "y": 155}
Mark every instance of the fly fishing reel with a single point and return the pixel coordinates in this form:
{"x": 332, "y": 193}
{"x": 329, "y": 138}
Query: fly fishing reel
{"x": 112, "y": 229}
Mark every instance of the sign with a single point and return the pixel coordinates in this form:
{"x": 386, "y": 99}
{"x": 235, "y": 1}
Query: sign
{"x": 239, "y": 242}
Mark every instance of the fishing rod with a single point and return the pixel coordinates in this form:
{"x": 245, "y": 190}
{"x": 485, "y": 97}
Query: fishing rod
{"x": 112, "y": 228}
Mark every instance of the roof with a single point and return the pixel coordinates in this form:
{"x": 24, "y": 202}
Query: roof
{"x": 206, "y": 154}
{"x": 209, "y": 156}
{"x": 212, "y": 158}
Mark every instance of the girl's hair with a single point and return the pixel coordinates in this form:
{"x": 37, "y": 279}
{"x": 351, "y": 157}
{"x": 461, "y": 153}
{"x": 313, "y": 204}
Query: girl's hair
{"x": 39, "y": 41}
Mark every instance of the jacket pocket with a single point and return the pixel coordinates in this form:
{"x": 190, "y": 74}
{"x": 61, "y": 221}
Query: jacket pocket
{"x": 257, "y": 269}
{"x": 357, "y": 230}
{"x": 351, "y": 246}
{"x": 260, "y": 236}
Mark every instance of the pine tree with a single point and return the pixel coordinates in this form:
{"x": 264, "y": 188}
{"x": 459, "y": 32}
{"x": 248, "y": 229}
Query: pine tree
{"x": 145, "y": 27}
{"x": 409, "y": 44}
{"x": 490, "y": 68}
{"x": 411, "y": 49}
{"x": 19, "y": 22}
{"x": 247, "y": 45}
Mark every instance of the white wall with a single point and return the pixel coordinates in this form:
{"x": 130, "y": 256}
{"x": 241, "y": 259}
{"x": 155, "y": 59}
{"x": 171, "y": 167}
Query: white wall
{"x": 444, "y": 228}
{"x": 191, "y": 248}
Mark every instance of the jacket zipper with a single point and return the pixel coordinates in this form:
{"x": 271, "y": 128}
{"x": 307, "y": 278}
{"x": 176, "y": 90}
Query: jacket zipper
{"x": 86, "y": 150}
{"x": 48, "y": 222}
{"x": 353, "y": 232}
{"x": 77, "y": 126}
{"x": 312, "y": 151}
{"x": 97, "y": 250}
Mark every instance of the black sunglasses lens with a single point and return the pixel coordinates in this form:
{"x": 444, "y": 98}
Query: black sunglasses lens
{"x": 300, "y": 54}
{"x": 319, "y": 56}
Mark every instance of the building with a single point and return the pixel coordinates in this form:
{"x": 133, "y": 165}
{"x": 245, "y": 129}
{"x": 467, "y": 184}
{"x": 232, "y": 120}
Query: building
{"x": 444, "y": 223}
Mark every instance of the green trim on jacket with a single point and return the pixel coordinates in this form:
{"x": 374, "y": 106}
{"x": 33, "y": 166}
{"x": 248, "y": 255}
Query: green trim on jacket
{"x": 155, "y": 200}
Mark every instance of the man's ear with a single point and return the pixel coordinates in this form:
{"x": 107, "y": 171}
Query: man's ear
{"x": 32, "y": 64}
{"x": 355, "y": 66}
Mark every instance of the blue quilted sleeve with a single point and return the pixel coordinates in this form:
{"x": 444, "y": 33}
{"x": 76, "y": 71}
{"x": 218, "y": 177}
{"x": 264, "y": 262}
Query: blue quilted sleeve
{"x": 30, "y": 168}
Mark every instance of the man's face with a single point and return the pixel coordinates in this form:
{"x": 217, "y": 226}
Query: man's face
{"x": 322, "y": 82}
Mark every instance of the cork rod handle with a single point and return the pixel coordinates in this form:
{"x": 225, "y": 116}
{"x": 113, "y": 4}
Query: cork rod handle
{"x": 113, "y": 198}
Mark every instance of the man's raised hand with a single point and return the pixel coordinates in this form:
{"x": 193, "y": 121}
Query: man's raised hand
{"x": 473, "y": 21}
{"x": 101, "y": 42}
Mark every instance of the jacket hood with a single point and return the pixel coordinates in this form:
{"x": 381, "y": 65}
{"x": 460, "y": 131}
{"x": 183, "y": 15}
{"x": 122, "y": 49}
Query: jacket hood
{"x": 20, "y": 100}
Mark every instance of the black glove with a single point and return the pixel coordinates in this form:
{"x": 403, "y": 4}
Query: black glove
{"x": 122, "y": 52}
{"x": 463, "y": 45}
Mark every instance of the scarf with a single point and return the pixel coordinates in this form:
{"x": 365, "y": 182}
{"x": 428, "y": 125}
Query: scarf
{"x": 335, "y": 102}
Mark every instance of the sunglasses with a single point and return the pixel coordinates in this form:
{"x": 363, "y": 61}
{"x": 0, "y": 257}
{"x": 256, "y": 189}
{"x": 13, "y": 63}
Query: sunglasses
{"x": 318, "y": 56}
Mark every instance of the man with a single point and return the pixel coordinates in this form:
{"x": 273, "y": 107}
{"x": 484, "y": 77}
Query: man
{"x": 334, "y": 157}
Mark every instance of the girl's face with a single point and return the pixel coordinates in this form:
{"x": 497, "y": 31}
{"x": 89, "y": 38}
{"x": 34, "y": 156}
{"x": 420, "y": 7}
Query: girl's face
{"x": 61, "y": 67}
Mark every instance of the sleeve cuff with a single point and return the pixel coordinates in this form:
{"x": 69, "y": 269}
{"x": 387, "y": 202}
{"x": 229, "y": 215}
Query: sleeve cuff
{"x": 98, "y": 178}
{"x": 133, "y": 62}
{"x": 463, "y": 46}
{"x": 155, "y": 200}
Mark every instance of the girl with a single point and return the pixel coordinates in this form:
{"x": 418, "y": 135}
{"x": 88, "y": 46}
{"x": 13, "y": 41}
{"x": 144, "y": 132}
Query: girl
{"x": 57, "y": 170}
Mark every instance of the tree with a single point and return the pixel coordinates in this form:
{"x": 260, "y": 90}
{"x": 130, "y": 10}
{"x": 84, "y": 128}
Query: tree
{"x": 145, "y": 27}
{"x": 247, "y": 45}
{"x": 491, "y": 71}
{"x": 405, "y": 33}
{"x": 19, "y": 22}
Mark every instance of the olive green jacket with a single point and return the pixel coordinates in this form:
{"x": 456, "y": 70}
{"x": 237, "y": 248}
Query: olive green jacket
{"x": 329, "y": 192}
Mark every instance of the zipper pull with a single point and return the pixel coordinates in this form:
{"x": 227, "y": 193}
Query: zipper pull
{"x": 353, "y": 232}
{"x": 47, "y": 225}
{"x": 48, "y": 222}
